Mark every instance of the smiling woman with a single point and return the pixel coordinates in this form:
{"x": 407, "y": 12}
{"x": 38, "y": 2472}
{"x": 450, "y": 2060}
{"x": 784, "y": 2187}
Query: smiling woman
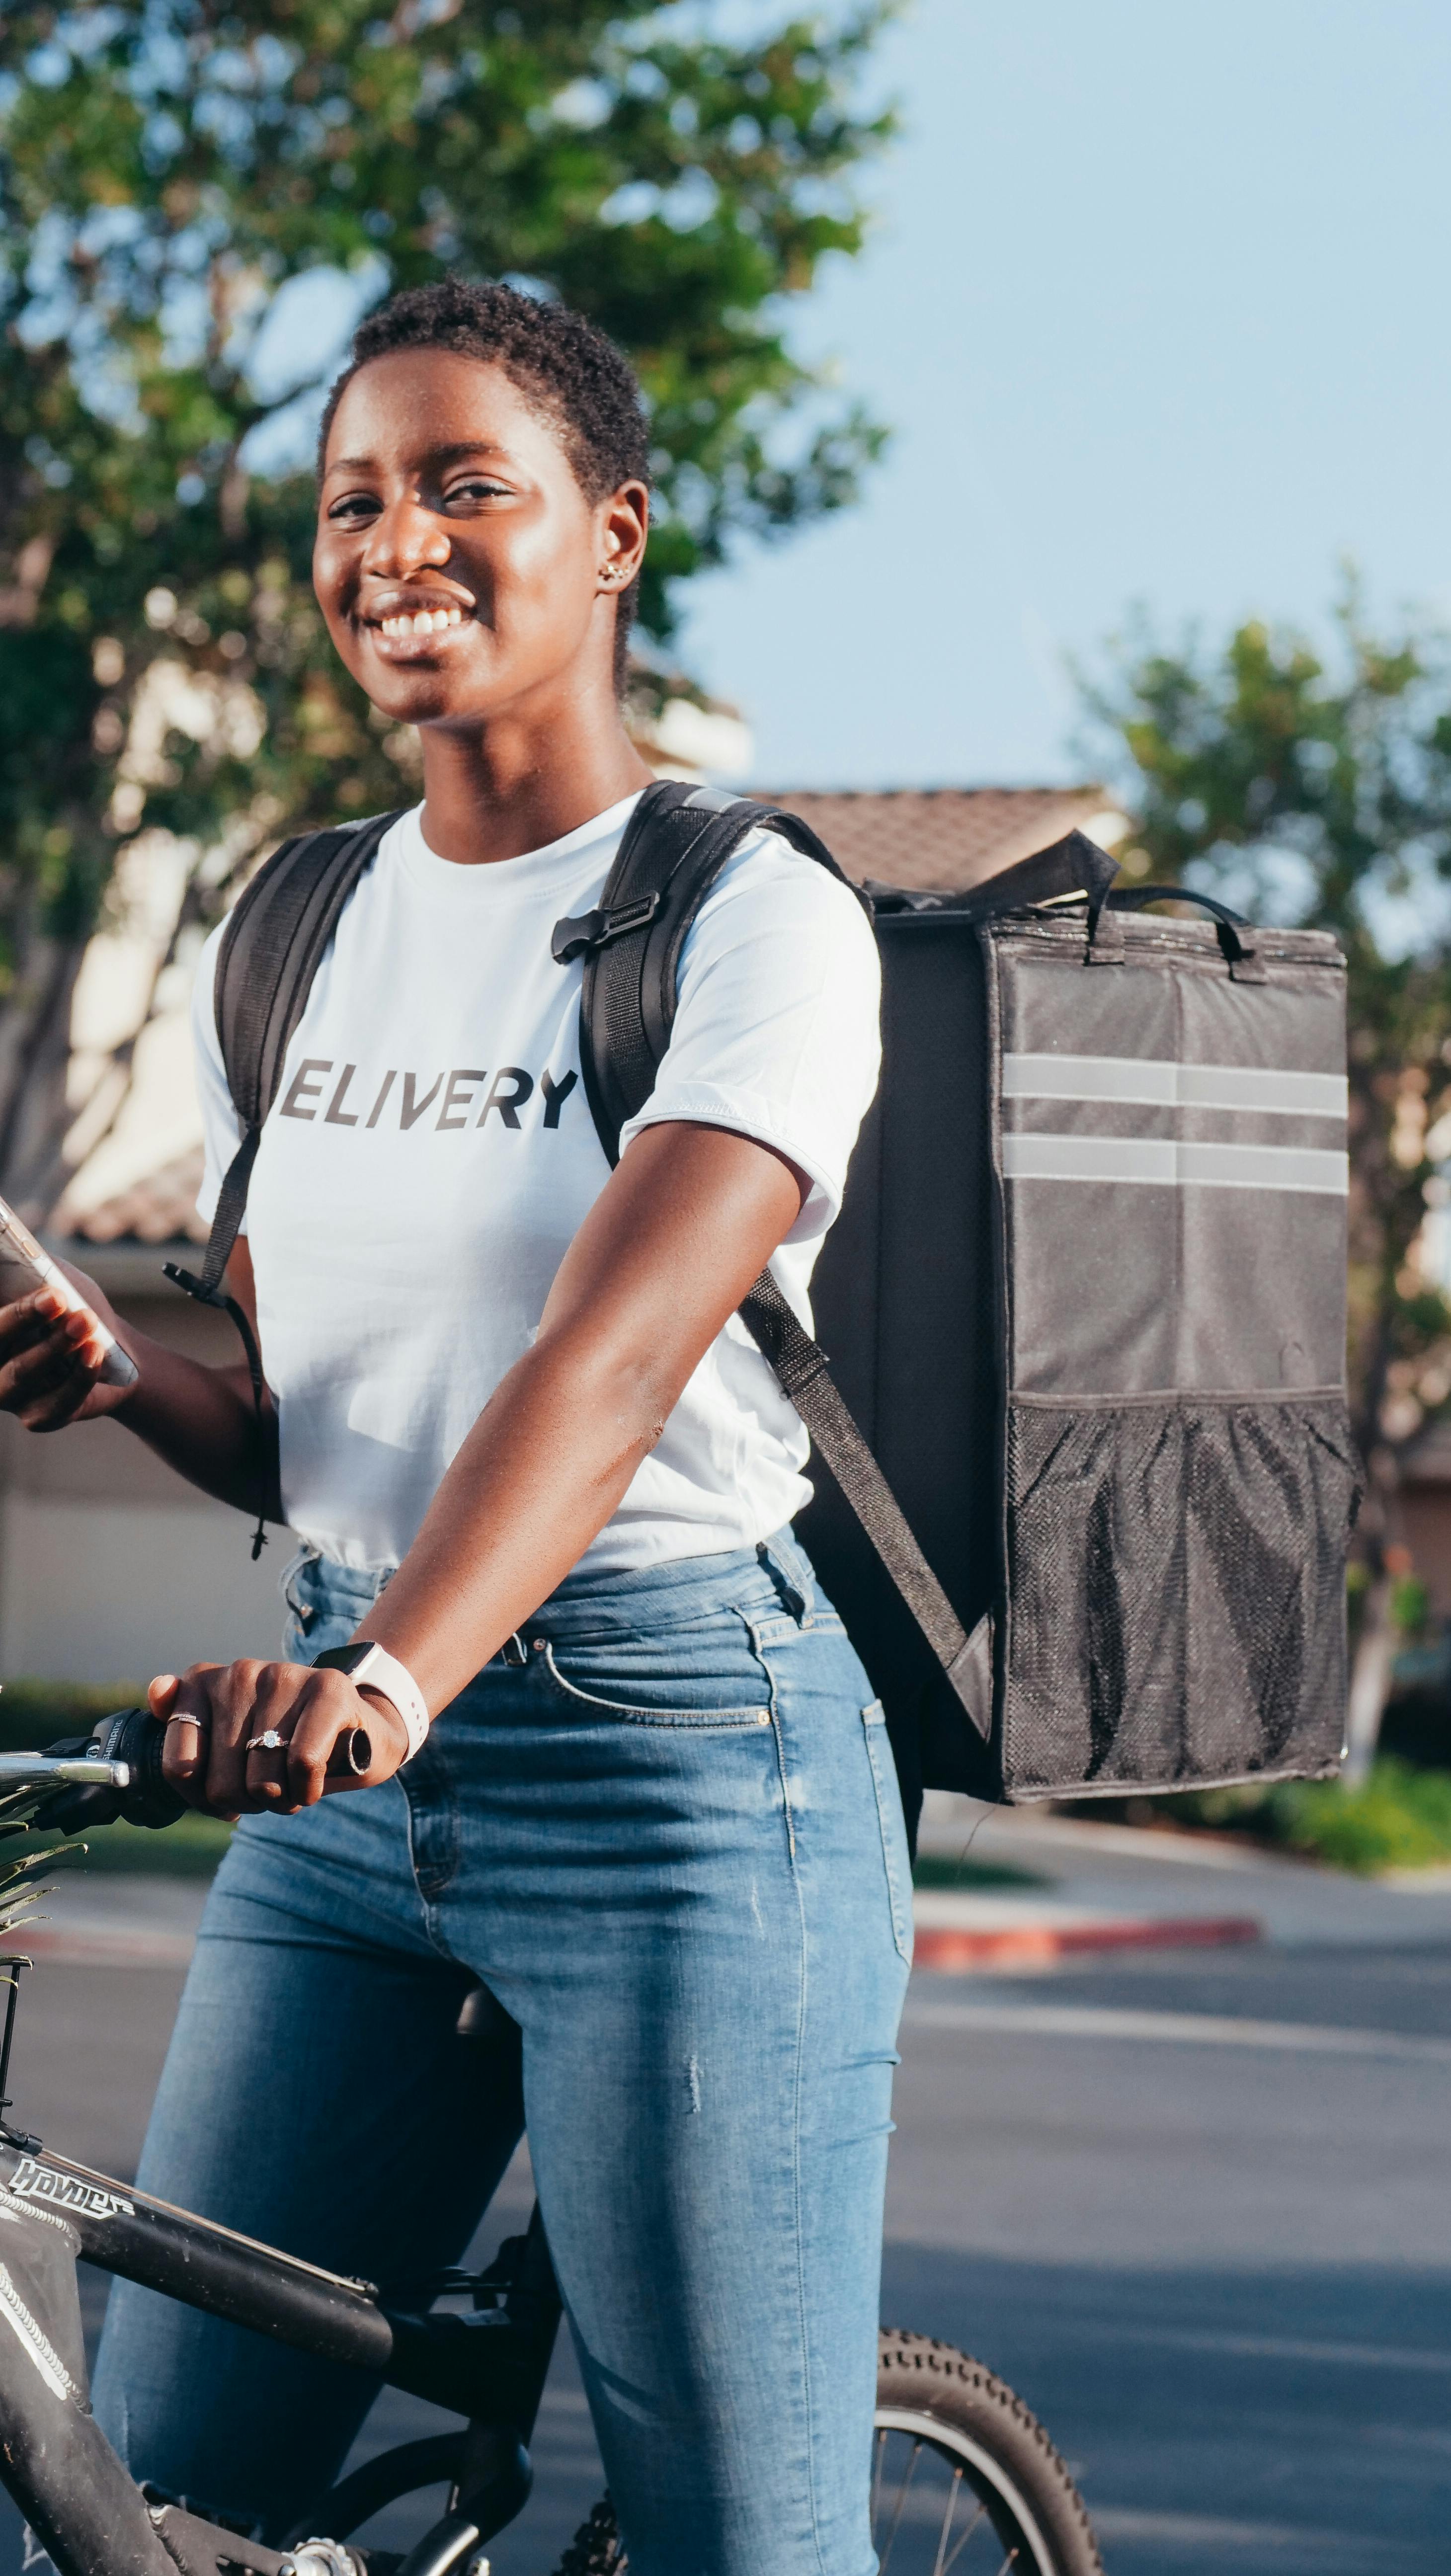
{"x": 560, "y": 387}
{"x": 623, "y": 1757}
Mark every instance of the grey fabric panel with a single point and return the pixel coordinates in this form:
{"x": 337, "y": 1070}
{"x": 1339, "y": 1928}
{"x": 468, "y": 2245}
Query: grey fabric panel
{"x": 1264, "y": 1277}
{"x": 1286, "y": 1022}
{"x": 1232, "y": 1280}
{"x": 1172, "y": 1000}
{"x": 1176, "y": 1592}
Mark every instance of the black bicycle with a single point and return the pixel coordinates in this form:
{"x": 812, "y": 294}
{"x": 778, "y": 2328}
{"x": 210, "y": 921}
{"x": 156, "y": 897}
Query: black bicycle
{"x": 963, "y": 2479}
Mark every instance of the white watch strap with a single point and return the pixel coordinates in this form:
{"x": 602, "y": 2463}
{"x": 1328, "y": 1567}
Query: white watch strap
{"x": 381, "y": 1671}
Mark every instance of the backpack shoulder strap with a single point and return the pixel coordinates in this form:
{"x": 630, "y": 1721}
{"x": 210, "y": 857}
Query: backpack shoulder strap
{"x": 675, "y": 845}
{"x": 276, "y": 937}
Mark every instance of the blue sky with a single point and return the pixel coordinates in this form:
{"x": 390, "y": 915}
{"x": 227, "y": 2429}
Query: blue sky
{"x": 1156, "y": 304}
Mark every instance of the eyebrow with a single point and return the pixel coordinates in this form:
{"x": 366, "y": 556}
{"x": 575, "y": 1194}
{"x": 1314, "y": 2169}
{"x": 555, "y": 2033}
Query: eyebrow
{"x": 451, "y": 455}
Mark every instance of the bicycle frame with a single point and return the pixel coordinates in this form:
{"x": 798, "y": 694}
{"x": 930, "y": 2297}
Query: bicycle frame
{"x": 68, "y": 2482}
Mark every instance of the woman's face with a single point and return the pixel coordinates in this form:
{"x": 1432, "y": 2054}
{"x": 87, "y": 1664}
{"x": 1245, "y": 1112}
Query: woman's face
{"x": 459, "y": 565}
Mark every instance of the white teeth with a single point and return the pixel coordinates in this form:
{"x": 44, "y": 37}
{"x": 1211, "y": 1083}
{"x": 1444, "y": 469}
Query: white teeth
{"x": 426, "y": 621}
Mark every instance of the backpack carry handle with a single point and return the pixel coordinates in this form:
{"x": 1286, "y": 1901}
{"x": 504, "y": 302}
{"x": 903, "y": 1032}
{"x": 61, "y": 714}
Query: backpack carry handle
{"x": 1074, "y": 866}
{"x": 1106, "y": 940}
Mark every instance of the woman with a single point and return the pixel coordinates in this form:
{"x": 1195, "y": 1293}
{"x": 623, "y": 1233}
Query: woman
{"x": 531, "y": 1454}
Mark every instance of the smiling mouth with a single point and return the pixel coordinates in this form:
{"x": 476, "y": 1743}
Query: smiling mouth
{"x": 408, "y": 627}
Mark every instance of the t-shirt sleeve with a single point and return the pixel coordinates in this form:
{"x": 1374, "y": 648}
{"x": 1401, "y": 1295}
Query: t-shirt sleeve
{"x": 221, "y": 1127}
{"x": 776, "y": 1031}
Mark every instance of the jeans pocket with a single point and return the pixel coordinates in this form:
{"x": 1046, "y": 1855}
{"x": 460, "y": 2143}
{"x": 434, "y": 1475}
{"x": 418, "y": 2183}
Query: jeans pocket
{"x": 895, "y": 1857}
{"x": 653, "y": 1695}
{"x": 297, "y": 1585}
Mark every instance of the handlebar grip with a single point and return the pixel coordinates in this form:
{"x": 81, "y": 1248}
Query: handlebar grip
{"x": 135, "y": 1737}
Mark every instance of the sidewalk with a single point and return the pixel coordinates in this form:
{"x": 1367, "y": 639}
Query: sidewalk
{"x": 1101, "y": 1888}
{"x": 1107, "y": 1887}
{"x": 115, "y": 1921}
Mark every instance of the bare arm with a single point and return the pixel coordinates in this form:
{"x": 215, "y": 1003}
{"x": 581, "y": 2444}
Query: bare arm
{"x": 202, "y": 1421}
{"x": 666, "y": 1253}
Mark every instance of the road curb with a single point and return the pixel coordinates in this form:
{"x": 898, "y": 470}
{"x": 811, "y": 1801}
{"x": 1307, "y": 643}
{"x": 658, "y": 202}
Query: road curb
{"x": 948, "y": 1948}
{"x": 952, "y": 1948}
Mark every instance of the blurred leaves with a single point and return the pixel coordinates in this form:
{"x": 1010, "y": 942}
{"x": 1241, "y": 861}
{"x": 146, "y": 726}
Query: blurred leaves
{"x": 168, "y": 170}
{"x": 1399, "y": 1818}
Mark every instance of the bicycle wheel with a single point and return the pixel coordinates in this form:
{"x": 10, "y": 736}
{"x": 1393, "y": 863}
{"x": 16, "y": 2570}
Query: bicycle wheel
{"x": 964, "y": 2479}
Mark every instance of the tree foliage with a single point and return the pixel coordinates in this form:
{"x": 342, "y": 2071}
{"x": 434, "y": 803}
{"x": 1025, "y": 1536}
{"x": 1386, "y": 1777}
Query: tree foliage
{"x": 1315, "y": 789}
{"x": 167, "y": 169}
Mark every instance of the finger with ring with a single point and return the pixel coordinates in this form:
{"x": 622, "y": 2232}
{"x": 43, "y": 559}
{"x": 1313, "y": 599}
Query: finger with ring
{"x": 269, "y": 1741}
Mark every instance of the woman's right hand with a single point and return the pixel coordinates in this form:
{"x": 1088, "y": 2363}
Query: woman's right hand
{"x": 51, "y": 1357}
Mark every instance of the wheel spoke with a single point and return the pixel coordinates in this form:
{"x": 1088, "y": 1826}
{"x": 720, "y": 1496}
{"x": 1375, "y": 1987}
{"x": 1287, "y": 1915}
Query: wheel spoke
{"x": 975, "y": 2525}
{"x": 878, "y": 2467}
{"x": 939, "y": 2561}
{"x": 901, "y": 2505}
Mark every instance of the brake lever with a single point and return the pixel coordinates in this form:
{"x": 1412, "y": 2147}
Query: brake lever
{"x": 79, "y": 1811}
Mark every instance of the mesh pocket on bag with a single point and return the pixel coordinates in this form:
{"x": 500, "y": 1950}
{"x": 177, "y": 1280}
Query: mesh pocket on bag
{"x": 1176, "y": 1576}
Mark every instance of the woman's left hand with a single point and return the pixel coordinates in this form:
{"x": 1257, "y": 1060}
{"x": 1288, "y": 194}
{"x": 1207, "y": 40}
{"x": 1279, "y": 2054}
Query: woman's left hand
{"x": 215, "y": 1715}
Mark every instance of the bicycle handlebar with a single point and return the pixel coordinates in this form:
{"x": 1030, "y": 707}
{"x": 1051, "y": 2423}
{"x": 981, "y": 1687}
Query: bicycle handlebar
{"x": 114, "y": 1774}
{"x": 21, "y": 1770}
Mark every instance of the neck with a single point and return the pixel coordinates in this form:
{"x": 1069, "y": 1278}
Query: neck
{"x": 512, "y": 782}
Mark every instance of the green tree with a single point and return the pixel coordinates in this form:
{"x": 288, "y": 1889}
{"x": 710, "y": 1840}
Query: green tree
{"x": 167, "y": 169}
{"x": 1316, "y": 790}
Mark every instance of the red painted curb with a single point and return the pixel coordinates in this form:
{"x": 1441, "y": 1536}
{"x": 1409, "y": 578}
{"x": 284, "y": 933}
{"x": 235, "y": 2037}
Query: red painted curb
{"x": 1031, "y": 1945}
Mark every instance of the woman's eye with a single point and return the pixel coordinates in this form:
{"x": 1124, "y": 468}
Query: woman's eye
{"x": 354, "y": 505}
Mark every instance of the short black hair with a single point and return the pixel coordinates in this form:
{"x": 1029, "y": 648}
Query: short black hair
{"x": 563, "y": 362}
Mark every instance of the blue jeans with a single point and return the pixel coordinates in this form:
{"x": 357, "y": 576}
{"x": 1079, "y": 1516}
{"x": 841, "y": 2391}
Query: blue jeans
{"x": 671, "y": 1845}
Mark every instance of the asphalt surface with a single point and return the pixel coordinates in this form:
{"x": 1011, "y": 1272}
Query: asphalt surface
{"x": 1192, "y": 2205}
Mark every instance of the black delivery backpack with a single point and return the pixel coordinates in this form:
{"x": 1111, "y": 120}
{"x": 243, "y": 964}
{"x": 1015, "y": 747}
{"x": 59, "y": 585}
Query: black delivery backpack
{"x": 1090, "y": 1475}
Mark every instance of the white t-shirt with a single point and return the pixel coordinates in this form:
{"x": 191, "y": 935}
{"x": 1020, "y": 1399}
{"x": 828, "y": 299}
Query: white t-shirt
{"x": 431, "y": 1155}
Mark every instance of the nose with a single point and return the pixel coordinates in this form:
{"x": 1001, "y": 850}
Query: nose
{"x": 405, "y": 538}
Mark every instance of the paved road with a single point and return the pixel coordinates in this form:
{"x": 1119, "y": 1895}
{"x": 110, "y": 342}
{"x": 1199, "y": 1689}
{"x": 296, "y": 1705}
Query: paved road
{"x": 1204, "y": 2232}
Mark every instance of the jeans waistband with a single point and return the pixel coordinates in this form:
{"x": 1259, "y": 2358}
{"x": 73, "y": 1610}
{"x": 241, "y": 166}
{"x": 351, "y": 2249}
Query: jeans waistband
{"x": 776, "y": 1575}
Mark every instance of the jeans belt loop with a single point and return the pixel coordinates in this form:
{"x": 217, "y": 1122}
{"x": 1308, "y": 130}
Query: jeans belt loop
{"x": 793, "y": 1599}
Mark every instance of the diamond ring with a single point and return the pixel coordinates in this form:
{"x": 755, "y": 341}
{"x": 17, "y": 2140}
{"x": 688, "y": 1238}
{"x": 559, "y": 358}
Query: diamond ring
{"x": 268, "y": 1742}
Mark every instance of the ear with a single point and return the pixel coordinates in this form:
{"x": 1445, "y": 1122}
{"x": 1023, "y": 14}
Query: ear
{"x": 622, "y": 528}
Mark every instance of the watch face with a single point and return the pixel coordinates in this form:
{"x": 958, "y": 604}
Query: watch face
{"x": 344, "y": 1659}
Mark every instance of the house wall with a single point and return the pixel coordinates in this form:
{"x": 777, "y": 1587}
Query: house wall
{"x": 111, "y": 1567}
{"x": 1425, "y": 1515}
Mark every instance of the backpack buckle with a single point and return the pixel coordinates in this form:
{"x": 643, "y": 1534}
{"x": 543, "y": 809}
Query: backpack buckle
{"x": 586, "y": 931}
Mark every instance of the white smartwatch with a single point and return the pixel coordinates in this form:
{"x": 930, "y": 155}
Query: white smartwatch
{"x": 370, "y": 1667}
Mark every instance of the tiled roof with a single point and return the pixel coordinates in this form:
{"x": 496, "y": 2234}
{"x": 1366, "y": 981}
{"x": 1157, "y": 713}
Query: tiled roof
{"x": 940, "y": 840}
{"x": 158, "y": 1209}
